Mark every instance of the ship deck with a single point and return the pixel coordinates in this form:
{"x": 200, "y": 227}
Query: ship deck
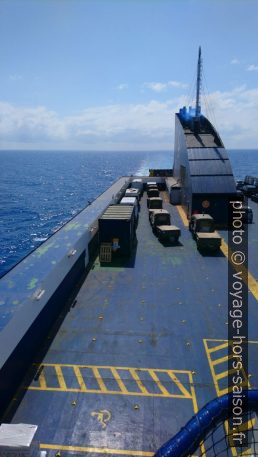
{"x": 139, "y": 350}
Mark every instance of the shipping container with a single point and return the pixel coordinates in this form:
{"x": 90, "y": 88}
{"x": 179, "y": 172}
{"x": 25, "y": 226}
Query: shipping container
{"x": 137, "y": 184}
{"x": 131, "y": 201}
{"x": 117, "y": 228}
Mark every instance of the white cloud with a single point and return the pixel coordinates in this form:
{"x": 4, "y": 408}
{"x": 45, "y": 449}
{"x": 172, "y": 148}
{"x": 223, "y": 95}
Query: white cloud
{"x": 252, "y": 68}
{"x": 159, "y": 87}
{"x": 235, "y": 62}
{"x": 15, "y": 77}
{"x": 130, "y": 126}
{"x": 122, "y": 87}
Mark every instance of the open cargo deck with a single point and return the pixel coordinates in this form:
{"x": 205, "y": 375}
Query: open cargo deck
{"x": 141, "y": 349}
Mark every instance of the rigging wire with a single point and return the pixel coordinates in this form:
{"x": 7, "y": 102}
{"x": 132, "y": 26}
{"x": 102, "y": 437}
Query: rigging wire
{"x": 190, "y": 95}
{"x": 208, "y": 104}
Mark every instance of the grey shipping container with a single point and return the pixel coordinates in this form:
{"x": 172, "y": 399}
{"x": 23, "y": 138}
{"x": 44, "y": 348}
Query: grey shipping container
{"x": 175, "y": 195}
{"x": 117, "y": 226}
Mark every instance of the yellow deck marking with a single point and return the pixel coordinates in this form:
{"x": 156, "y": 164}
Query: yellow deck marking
{"x": 42, "y": 381}
{"x": 179, "y": 384}
{"x": 195, "y": 407}
{"x": 182, "y": 215}
{"x": 118, "y": 380}
{"x": 221, "y": 360}
{"x": 153, "y": 372}
{"x": 223, "y": 344}
{"x": 60, "y": 377}
{"x": 97, "y": 450}
{"x": 99, "y": 379}
{"x": 138, "y": 381}
{"x": 157, "y": 381}
{"x": 248, "y": 278}
{"x": 80, "y": 379}
{"x": 217, "y": 348}
{"x": 123, "y": 389}
{"x": 103, "y": 416}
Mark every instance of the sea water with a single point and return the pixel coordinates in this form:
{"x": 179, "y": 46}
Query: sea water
{"x": 42, "y": 190}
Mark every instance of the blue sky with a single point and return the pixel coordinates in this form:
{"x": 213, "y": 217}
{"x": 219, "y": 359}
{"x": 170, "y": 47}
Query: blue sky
{"x": 92, "y": 74}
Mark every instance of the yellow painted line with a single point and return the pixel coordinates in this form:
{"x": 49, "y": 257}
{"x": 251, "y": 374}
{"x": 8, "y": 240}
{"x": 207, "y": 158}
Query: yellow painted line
{"x": 99, "y": 379}
{"x": 221, "y": 360}
{"x": 119, "y": 380}
{"x": 158, "y": 382}
{"x": 224, "y": 374}
{"x": 60, "y": 377}
{"x": 217, "y": 376}
{"x": 226, "y": 390}
{"x": 211, "y": 365}
{"x": 109, "y": 392}
{"x": 193, "y": 394}
{"x": 138, "y": 381}
{"x": 217, "y": 348}
{"x": 226, "y": 341}
{"x": 42, "y": 381}
{"x": 80, "y": 379}
{"x": 248, "y": 278}
{"x": 179, "y": 384}
{"x": 97, "y": 450}
{"x": 182, "y": 215}
{"x": 195, "y": 407}
{"x": 160, "y": 370}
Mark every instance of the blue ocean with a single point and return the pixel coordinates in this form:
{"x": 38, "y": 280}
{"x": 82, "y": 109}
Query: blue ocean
{"x": 42, "y": 190}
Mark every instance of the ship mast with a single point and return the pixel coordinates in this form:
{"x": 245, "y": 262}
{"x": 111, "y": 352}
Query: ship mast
{"x": 198, "y": 85}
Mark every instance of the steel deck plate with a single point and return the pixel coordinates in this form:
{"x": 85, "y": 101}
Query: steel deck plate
{"x": 136, "y": 355}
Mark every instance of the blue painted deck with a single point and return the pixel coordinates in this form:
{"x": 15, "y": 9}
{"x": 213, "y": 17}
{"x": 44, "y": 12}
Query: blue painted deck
{"x": 134, "y": 358}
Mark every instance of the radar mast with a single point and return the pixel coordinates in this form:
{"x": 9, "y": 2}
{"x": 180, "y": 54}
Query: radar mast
{"x": 198, "y": 85}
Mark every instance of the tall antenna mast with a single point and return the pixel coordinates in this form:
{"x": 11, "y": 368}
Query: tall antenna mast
{"x": 198, "y": 85}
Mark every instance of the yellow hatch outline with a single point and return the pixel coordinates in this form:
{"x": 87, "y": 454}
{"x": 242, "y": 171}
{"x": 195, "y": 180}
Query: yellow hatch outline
{"x": 133, "y": 372}
{"x": 216, "y": 376}
{"x": 215, "y": 362}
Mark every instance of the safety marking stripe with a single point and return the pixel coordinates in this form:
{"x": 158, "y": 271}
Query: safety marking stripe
{"x": 42, "y": 381}
{"x": 79, "y": 378}
{"x": 217, "y": 348}
{"x": 96, "y": 450}
{"x": 248, "y": 278}
{"x": 99, "y": 379}
{"x": 134, "y": 375}
{"x": 221, "y": 360}
{"x": 182, "y": 215}
{"x": 156, "y": 379}
{"x": 118, "y": 380}
{"x": 196, "y": 409}
{"x": 214, "y": 365}
{"x": 217, "y": 376}
{"x": 138, "y": 381}
{"x": 60, "y": 377}
{"x": 179, "y": 384}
